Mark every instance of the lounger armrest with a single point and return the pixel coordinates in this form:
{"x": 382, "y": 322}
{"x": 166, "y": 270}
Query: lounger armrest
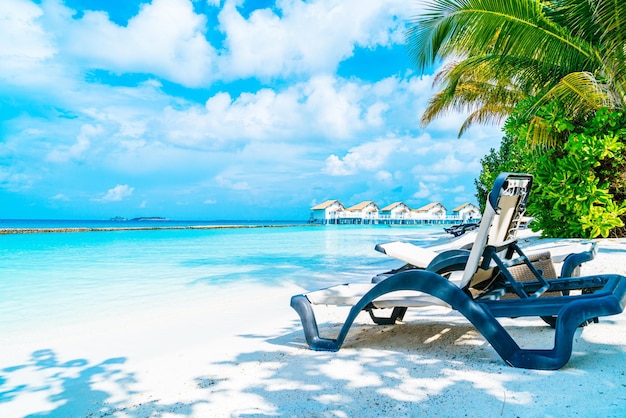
{"x": 504, "y": 245}
{"x": 451, "y": 260}
{"x": 491, "y": 251}
{"x": 409, "y": 253}
{"x": 573, "y": 261}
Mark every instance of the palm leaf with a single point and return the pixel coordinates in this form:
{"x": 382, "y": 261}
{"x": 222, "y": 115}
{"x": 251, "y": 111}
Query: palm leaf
{"x": 573, "y": 51}
{"x": 489, "y": 114}
{"x": 503, "y": 27}
{"x": 580, "y": 92}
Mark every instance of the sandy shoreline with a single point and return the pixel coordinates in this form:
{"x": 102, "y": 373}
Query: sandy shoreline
{"x": 243, "y": 353}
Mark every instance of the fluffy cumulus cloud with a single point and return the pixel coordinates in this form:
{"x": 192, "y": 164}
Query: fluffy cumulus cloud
{"x": 117, "y": 193}
{"x": 227, "y": 183}
{"x": 21, "y": 35}
{"x": 422, "y": 192}
{"x": 324, "y": 106}
{"x": 369, "y": 157}
{"x": 169, "y": 39}
{"x": 415, "y": 169}
{"x": 78, "y": 149}
{"x": 249, "y": 116}
{"x": 166, "y": 38}
{"x": 307, "y": 37}
{"x": 26, "y": 48}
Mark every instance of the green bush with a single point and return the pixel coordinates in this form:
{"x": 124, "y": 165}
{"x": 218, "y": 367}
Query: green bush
{"x": 572, "y": 196}
{"x": 579, "y": 188}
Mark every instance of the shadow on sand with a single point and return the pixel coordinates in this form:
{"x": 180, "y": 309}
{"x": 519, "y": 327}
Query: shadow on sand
{"x": 74, "y": 388}
{"x": 418, "y": 369}
{"x": 439, "y": 367}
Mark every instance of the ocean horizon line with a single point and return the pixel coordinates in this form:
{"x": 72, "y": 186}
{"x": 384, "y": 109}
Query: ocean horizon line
{"x": 24, "y": 226}
{"x": 41, "y": 226}
{"x": 142, "y": 218}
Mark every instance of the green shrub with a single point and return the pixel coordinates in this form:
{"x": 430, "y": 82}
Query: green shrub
{"x": 579, "y": 188}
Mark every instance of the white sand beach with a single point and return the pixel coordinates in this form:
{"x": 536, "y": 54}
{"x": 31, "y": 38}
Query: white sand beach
{"x": 243, "y": 354}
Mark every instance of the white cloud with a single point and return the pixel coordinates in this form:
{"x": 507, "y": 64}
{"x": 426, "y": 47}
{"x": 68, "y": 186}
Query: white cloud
{"x": 78, "y": 149}
{"x": 335, "y": 105}
{"x": 369, "y": 156}
{"x": 450, "y": 164}
{"x": 336, "y": 167}
{"x": 18, "y": 182}
{"x": 423, "y": 191}
{"x": 168, "y": 39}
{"x": 165, "y": 38}
{"x": 118, "y": 193}
{"x": 384, "y": 175}
{"x": 273, "y": 138}
{"x": 374, "y": 113}
{"x": 233, "y": 185}
{"x": 307, "y": 37}
{"x": 59, "y": 196}
{"x": 322, "y": 106}
{"x": 27, "y": 51}
{"x": 21, "y": 34}
{"x": 326, "y": 107}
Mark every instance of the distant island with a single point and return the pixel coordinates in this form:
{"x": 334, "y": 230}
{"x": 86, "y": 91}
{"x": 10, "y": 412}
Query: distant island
{"x": 143, "y": 218}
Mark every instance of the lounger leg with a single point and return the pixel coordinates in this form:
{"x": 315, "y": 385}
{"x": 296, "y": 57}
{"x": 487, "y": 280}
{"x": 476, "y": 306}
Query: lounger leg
{"x": 568, "y": 321}
{"x": 303, "y": 307}
{"x": 396, "y": 315}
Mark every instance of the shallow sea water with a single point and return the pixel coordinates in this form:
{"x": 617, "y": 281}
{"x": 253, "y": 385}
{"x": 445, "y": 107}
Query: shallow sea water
{"x": 55, "y": 279}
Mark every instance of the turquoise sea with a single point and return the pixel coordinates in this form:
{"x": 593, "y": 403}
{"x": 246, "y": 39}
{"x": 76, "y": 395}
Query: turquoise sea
{"x": 60, "y": 278}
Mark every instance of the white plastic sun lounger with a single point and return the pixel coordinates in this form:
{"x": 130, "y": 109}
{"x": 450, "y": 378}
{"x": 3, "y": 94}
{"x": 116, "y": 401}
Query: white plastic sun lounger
{"x": 422, "y": 257}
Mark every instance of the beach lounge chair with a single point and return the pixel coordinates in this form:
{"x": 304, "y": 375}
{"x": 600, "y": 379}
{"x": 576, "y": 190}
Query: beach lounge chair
{"x": 480, "y": 295}
{"x": 459, "y": 229}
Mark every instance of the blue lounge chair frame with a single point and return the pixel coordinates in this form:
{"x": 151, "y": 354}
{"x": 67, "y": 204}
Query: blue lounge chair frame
{"x": 602, "y": 295}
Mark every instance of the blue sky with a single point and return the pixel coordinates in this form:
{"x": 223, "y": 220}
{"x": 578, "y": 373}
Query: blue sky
{"x": 209, "y": 109}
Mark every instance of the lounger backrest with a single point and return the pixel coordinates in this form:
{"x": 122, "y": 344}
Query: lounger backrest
{"x": 505, "y": 207}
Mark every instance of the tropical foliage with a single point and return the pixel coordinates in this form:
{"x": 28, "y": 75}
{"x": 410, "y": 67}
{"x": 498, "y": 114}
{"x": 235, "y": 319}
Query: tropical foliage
{"x": 555, "y": 71}
{"x": 499, "y": 52}
{"x": 580, "y": 188}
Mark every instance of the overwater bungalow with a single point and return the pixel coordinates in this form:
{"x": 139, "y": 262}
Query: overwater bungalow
{"x": 466, "y": 211}
{"x": 328, "y": 212}
{"x": 432, "y": 212}
{"x": 365, "y": 212}
{"x": 396, "y": 213}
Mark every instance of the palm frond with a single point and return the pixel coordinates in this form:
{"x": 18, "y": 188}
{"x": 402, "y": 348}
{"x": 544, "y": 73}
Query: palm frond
{"x": 483, "y": 99}
{"x": 472, "y": 27}
{"x": 573, "y": 51}
{"x": 540, "y": 133}
{"x": 580, "y": 92}
{"x": 486, "y": 115}
{"x": 611, "y": 16}
{"x": 603, "y": 24}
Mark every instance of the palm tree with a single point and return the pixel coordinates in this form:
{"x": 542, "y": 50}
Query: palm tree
{"x": 500, "y": 52}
